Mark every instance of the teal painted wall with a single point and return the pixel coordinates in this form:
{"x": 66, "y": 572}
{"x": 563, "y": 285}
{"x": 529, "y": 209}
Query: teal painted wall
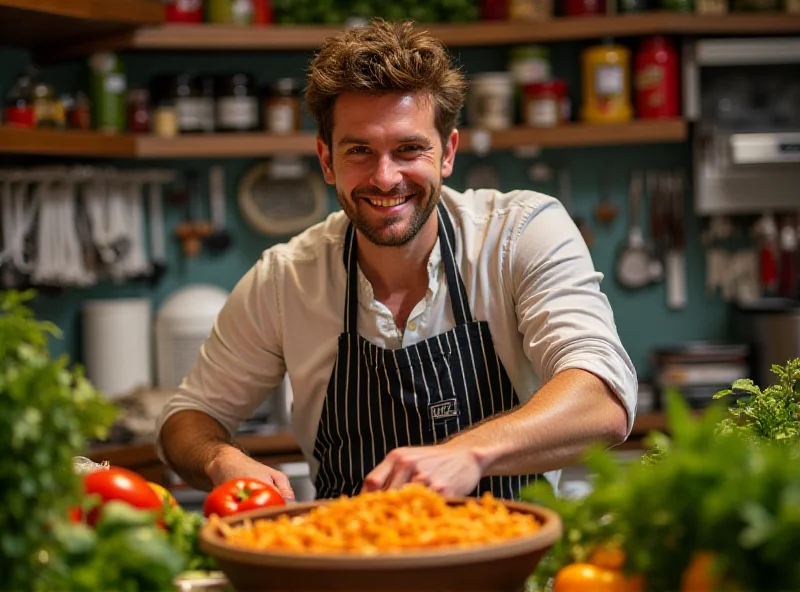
{"x": 642, "y": 318}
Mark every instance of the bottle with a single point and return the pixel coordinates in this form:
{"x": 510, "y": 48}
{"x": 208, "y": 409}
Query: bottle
{"x": 606, "y": 84}
{"x": 656, "y": 93}
{"x": 107, "y": 86}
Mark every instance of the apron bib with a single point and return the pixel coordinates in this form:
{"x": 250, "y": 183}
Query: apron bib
{"x": 380, "y": 399}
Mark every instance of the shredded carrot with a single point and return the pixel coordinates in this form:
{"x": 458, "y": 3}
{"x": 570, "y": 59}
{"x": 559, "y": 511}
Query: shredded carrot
{"x": 410, "y": 519}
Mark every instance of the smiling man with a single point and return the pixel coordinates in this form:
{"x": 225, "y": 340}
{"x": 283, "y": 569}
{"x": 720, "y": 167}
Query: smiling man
{"x": 459, "y": 340}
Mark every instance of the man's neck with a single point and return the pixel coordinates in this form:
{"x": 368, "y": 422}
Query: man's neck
{"x": 396, "y": 270}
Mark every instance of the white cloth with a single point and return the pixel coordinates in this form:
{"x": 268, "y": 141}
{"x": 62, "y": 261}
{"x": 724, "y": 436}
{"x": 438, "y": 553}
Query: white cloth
{"x": 525, "y": 267}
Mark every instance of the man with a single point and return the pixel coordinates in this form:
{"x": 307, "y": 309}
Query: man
{"x": 457, "y": 340}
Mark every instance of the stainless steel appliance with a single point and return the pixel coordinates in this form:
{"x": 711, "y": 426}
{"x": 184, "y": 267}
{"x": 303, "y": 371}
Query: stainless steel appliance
{"x": 744, "y": 97}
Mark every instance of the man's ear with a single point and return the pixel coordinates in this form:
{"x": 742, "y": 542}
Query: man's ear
{"x": 326, "y": 161}
{"x": 449, "y": 154}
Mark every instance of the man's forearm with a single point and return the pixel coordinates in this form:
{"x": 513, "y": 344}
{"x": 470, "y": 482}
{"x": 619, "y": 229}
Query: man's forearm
{"x": 552, "y": 430}
{"x": 192, "y": 440}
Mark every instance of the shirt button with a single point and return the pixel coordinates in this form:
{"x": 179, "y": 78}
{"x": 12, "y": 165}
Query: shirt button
{"x": 412, "y": 326}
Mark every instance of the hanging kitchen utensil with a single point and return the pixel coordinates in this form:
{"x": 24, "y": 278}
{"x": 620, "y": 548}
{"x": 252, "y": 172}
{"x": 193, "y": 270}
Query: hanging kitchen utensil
{"x": 136, "y": 264}
{"x": 19, "y": 215}
{"x": 220, "y": 239}
{"x": 158, "y": 256}
{"x": 675, "y": 262}
{"x": 565, "y": 195}
{"x": 193, "y": 230}
{"x": 605, "y": 212}
{"x": 635, "y": 267}
{"x": 282, "y": 197}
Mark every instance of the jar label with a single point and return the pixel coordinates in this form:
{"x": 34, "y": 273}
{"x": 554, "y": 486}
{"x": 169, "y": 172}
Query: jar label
{"x": 114, "y": 83}
{"x": 280, "y": 119}
{"x": 609, "y": 80}
{"x": 237, "y": 112}
{"x": 649, "y": 77}
{"x": 190, "y": 114}
{"x": 543, "y": 112}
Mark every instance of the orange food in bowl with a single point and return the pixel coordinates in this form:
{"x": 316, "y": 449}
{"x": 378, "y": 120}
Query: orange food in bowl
{"x": 412, "y": 518}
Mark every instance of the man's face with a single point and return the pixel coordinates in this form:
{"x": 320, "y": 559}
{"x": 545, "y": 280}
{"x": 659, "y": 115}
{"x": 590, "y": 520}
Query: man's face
{"x": 387, "y": 163}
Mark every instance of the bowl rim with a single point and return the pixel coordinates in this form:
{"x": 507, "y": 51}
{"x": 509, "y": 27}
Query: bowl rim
{"x": 211, "y": 542}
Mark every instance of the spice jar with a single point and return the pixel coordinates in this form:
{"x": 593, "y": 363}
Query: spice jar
{"x": 584, "y": 7}
{"x": 544, "y": 103}
{"x": 138, "y": 111}
{"x": 230, "y": 12}
{"x": 237, "y": 104}
{"x": 530, "y": 10}
{"x": 45, "y": 105}
{"x": 184, "y": 11}
{"x": 490, "y": 101}
{"x": 282, "y": 107}
{"x": 79, "y": 114}
{"x": 19, "y": 111}
{"x": 184, "y": 90}
{"x": 165, "y": 119}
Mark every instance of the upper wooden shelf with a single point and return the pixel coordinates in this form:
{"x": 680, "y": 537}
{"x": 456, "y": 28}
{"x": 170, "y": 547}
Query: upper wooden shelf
{"x": 48, "y": 23}
{"x": 230, "y": 38}
{"x": 258, "y": 144}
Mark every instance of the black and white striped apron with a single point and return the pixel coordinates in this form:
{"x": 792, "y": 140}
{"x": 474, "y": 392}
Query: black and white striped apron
{"x": 380, "y": 399}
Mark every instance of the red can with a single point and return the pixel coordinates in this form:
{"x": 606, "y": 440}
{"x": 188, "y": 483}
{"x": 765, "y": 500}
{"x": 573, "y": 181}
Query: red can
{"x": 184, "y": 11}
{"x": 656, "y": 90}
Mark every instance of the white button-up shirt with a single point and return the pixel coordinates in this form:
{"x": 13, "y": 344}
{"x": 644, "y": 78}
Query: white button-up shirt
{"x": 525, "y": 266}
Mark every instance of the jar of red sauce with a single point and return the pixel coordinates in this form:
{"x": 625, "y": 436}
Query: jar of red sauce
{"x": 184, "y": 11}
{"x": 584, "y": 7}
{"x": 545, "y": 103}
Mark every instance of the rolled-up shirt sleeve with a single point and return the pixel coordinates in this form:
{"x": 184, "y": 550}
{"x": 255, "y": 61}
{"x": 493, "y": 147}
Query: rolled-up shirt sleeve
{"x": 565, "y": 320}
{"x": 242, "y": 360}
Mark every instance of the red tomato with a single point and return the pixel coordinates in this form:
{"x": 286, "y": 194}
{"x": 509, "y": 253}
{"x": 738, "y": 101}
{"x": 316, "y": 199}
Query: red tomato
{"x": 240, "y": 495}
{"x": 123, "y": 485}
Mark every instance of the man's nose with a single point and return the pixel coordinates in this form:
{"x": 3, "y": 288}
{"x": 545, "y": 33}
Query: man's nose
{"x": 387, "y": 174}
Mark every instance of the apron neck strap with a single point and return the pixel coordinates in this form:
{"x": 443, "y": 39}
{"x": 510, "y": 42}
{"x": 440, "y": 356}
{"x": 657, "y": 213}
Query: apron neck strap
{"x": 447, "y": 246}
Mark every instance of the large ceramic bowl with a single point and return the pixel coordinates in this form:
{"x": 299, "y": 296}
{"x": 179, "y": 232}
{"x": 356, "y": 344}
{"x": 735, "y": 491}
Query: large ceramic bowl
{"x": 499, "y": 567}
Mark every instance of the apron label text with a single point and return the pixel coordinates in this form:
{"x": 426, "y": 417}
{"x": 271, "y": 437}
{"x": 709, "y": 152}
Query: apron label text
{"x": 444, "y": 409}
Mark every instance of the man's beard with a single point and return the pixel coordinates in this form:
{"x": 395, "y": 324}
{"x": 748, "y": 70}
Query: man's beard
{"x": 423, "y": 202}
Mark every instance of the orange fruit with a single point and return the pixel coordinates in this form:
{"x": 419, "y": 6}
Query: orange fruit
{"x": 608, "y": 556}
{"x": 584, "y": 577}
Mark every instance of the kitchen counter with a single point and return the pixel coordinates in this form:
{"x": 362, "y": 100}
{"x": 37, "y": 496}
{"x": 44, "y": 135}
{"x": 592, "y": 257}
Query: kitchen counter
{"x": 277, "y": 447}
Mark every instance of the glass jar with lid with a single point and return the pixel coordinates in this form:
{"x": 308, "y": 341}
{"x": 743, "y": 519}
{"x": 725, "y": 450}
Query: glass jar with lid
{"x": 282, "y": 107}
{"x": 237, "y": 103}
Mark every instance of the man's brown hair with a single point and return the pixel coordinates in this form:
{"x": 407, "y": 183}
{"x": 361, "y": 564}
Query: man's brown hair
{"x": 381, "y": 58}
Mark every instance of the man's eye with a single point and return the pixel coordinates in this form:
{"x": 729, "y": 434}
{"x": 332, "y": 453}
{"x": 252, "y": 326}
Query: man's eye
{"x": 411, "y": 148}
{"x": 358, "y": 150}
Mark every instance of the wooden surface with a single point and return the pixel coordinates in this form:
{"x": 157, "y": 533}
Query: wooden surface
{"x": 65, "y": 143}
{"x": 281, "y": 447}
{"x": 260, "y": 144}
{"x": 44, "y": 23}
{"x": 308, "y": 37}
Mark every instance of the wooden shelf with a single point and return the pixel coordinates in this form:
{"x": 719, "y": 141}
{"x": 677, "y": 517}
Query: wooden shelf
{"x": 46, "y": 23}
{"x": 578, "y": 134}
{"x": 66, "y": 143}
{"x": 308, "y": 37}
{"x": 258, "y": 144}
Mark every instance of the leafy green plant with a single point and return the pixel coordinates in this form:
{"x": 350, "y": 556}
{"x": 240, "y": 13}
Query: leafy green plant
{"x": 183, "y": 531}
{"x": 47, "y": 411}
{"x": 335, "y": 12}
{"x": 126, "y": 552}
{"x": 772, "y": 414}
{"x": 721, "y": 492}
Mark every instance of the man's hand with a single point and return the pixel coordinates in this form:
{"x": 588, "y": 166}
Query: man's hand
{"x": 449, "y": 469}
{"x": 232, "y": 463}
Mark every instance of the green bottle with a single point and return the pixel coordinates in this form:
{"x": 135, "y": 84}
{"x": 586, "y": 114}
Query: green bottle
{"x": 107, "y": 86}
